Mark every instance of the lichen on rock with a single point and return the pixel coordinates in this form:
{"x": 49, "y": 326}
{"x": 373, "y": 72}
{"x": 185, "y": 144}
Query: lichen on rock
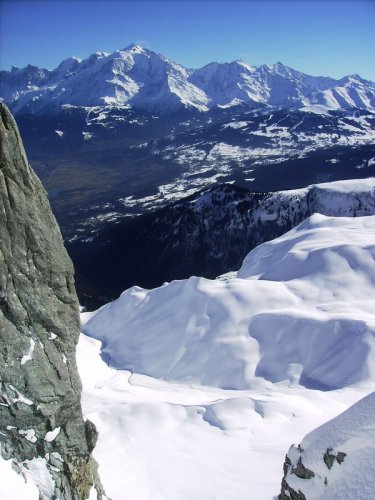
{"x": 40, "y": 388}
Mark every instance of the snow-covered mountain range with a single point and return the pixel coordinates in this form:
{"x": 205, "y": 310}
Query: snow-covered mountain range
{"x": 142, "y": 79}
{"x": 197, "y": 387}
{"x": 115, "y": 135}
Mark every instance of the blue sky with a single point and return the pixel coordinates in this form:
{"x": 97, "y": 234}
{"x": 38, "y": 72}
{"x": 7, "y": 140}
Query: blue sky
{"x": 318, "y": 37}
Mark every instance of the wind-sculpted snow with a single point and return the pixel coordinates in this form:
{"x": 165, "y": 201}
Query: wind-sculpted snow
{"x": 300, "y": 309}
{"x": 216, "y": 376}
{"x": 174, "y": 440}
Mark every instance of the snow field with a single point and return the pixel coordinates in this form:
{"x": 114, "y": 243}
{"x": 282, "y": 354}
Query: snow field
{"x": 167, "y": 440}
{"x": 204, "y": 385}
{"x": 305, "y": 298}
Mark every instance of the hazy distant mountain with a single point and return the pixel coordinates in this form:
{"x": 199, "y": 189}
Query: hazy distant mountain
{"x": 139, "y": 78}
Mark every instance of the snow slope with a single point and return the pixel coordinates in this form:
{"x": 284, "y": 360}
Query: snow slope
{"x": 295, "y": 298}
{"x": 141, "y": 78}
{"x": 14, "y": 486}
{"x": 349, "y": 440}
{"x": 218, "y": 377}
{"x": 167, "y": 440}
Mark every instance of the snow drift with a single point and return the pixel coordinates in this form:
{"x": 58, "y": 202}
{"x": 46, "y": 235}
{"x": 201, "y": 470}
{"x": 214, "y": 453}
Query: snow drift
{"x": 300, "y": 309}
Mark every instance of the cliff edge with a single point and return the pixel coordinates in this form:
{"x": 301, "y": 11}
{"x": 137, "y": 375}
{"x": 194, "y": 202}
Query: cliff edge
{"x": 41, "y": 422}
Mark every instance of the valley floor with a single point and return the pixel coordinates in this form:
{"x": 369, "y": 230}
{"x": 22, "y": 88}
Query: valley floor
{"x": 163, "y": 440}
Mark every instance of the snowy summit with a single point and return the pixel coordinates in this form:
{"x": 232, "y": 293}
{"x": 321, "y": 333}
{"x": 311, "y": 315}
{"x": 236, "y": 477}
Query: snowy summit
{"x": 142, "y": 79}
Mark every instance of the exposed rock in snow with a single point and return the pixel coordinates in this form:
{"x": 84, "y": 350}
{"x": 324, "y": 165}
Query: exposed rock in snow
{"x": 339, "y": 457}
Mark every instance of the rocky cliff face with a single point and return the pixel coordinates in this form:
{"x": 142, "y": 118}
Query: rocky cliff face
{"x": 41, "y": 423}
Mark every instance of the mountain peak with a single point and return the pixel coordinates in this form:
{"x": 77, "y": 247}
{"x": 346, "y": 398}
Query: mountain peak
{"x": 135, "y": 48}
{"x": 69, "y": 63}
{"x": 281, "y": 68}
{"x": 99, "y": 53}
{"x": 133, "y": 74}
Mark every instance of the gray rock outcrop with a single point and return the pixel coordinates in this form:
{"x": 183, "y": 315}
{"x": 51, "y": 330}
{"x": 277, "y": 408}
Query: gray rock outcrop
{"x": 294, "y": 471}
{"x": 40, "y": 389}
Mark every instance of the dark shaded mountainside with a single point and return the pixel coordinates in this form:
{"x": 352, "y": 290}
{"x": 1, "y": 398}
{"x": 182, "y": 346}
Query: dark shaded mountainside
{"x": 127, "y": 162}
{"x": 41, "y": 420}
{"x": 207, "y": 234}
{"x": 120, "y": 133}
